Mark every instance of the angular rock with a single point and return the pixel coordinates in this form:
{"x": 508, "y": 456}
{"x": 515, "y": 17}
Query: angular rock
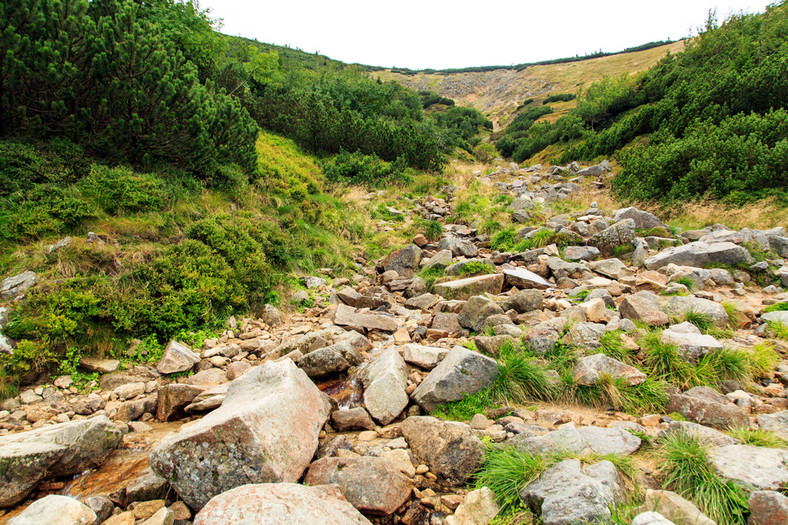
{"x": 442, "y": 258}
{"x": 610, "y": 440}
{"x": 704, "y": 434}
{"x": 146, "y": 487}
{"x": 590, "y": 369}
{"x": 643, "y": 306}
{"x": 675, "y": 508}
{"x": 543, "y": 337}
{"x": 265, "y": 431}
{"x": 348, "y": 296}
{"x": 678, "y": 306}
{"x": 524, "y": 301}
{"x": 278, "y": 503}
{"x": 370, "y": 484}
{"x": 562, "y": 440}
{"x": 458, "y": 268}
{"x": 585, "y": 335}
{"x": 55, "y": 510}
{"x": 567, "y": 493}
{"x": 404, "y": 261}
{"x": 271, "y": 315}
{"x": 348, "y": 316}
{"x": 385, "y": 380}
{"x": 465, "y": 288}
{"x": 461, "y": 372}
{"x": 426, "y": 357}
{"x": 458, "y": 247}
{"x": 448, "y": 448}
{"x": 776, "y": 317}
{"x": 330, "y": 360}
{"x": 706, "y": 406}
{"x": 777, "y": 423}
{"x": 650, "y": 518}
{"x": 57, "y": 450}
{"x": 177, "y": 358}
{"x": 422, "y": 302}
{"x": 612, "y": 268}
{"x": 351, "y": 419}
{"x": 476, "y": 310}
{"x": 581, "y": 253}
{"x": 524, "y": 279}
{"x": 768, "y": 507}
{"x": 759, "y": 467}
{"x": 700, "y": 254}
{"x": 208, "y": 378}
{"x": 173, "y": 399}
{"x": 643, "y": 219}
{"x": 619, "y": 234}
{"x": 491, "y": 345}
{"x": 18, "y": 284}
{"x": 477, "y": 508}
{"x": 691, "y": 346}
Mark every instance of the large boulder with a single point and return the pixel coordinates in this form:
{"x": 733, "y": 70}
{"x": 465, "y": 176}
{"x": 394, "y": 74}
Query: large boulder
{"x": 678, "y": 306}
{"x": 177, "y": 358}
{"x": 404, "y": 261}
{"x": 461, "y": 372}
{"x": 590, "y": 369}
{"x": 55, "y": 510}
{"x": 371, "y": 484}
{"x": 172, "y": 399}
{"x": 700, "y": 254}
{"x": 476, "y": 310}
{"x": 706, "y": 406}
{"x": 610, "y": 440}
{"x": 65, "y": 449}
{"x": 477, "y": 508}
{"x": 277, "y": 503}
{"x": 426, "y": 357}
{"x": 643, "y": 219}
{"x": 619, "y": 234}
{"x": 543, "y": 337}
{"x": 464, "y": 288}
{"x": 691, "y": 346}
{"x": 643, "y": 306}
{"x": 385, "y": 380}
{"x": 613, "y": 268}
{"x": 448, "y": 448}
{"x": 567, "y": 493}
{"x": 266, "y": 430}
{"x": 361, "y": 320}
{"x": 458, "y": 247}
{"x": 760, "y": 468}
{"x": 524, "y": 279}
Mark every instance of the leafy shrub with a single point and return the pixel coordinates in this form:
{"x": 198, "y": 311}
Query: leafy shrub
{"x": 560, "y": 97}
{"x": 121, "y": 190}
{"x": 369, "y": 170}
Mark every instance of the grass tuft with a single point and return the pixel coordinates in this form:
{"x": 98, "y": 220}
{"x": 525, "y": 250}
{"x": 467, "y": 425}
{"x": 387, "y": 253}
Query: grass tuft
{"x": 703, "y": 321}
{"x": 758, "y": 437}
{"x": 776, "y": 307}
{"x": 521, "y": 378}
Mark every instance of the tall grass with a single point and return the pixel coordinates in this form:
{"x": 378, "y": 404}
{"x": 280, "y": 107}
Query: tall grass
{"x": 521, "y": 378}
{"x": 758, "y": 437}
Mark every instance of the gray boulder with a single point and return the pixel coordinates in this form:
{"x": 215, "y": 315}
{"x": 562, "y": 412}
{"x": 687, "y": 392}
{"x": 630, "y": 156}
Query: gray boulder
{"x": 700, "y": 254}
{"x": 581, "y": 253}
{"x": 524, "y": 301}
{"x": 585, "y": 335}
{"x": 363, "y": 320}
{"x": 476, "y": 310}
{"x": 643, "y": 219}
{"x": 405, "y": 261}
{"x": 462, "y": 289}
{"x": 691, "y": 346}
{"x": 704, "y": 434}
{"x": 330, "y": 360}
{"x": 612, "y": 268}
{"x": 590, "y": 369}
{"x": 777, "y": 423}
{"x": 760, "y": 468}
{"x": 385, "y": 380}
{"x": 610, "y": 440}
{"x": 18, "y": 284}
{"x": 706, "y": 406}
{"x": 524, "y": 279}
{"x": 567, "y": 493}
{"x": 619, "y": 234}
{"x": 55, "y": 510}
{"x": 65, "y": 449}
{"x": 458, "y": 247}
{"x": 277, "y": 503}
{"x": 177, "y": 357}
{"x": 426, "y": 357}
{"x": 265, "y": 431}
{"x": 461, "y": 372}
{"x": 543, "y": 337}
{"x": 448, "y": 448}
{"x": 643, "y": 306}
{"x": 676, "y": 508}
{"x": 678, "y": 306}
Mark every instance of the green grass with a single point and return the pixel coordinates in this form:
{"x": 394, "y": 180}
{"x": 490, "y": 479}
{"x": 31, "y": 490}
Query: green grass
{"x": 779, "y": 329}
{"x": 762, "y": 359}
{"x": 521, "y": 378}
{"x": 467, "y": 407}
{"x": 758, "y": 437}
{"x": 685, "y": 469}
{"x": 477, "y": 268}
{"x": 776, "y": 307}
{"x": 613, "y": 346}
{"x": 686, "y": 281}
{"x": 703, "y": 321}
{"x": 432, "y": 230}
{"x": 430, "y": 274}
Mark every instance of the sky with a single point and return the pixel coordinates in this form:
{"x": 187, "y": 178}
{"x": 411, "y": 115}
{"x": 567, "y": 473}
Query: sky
{"x": 443, "y": 34}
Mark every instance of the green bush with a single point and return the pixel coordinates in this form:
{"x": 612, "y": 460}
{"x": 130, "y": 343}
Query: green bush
{"x": 121, "y": 190}
{"x": 368, "y": 170}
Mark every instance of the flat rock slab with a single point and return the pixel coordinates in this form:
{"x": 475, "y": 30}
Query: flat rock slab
{"x": 448, "y": 448}
{"x": 278, "y": 503}
{"x": 363, "y": 320}
{"x": 700, "y": 254}
{"x": 371, "y": 484}
{"x": 462, "y": 289}
{"x": 461, "y": 372}
{"x": 426, "y": 357}
{"x": 777, "y": 423}
{"x": 17, "y": 284}
{"x": 776, "y": 317}
{"x": 524, "y": 279}
{"x": 385, "y": 380}
{"x": 266, "y": 430}
{"x": 55, "y": 510}
{"x": 705, "y": 435}
{"x": 758, "y": 467}
{"x": 610, "y": 440}
{"x": 65, "y": 449}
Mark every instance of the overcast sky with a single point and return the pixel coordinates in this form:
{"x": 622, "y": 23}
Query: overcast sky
{"x": 450, "y": 34}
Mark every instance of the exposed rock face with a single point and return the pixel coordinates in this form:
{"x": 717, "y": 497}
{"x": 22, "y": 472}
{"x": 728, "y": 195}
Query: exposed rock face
{"x": 277, "y": 503}
{"x": 705, "y": 406}
{"x": 590, "y": 369}
{"x": 55, "y": 510}
{"x": 566, "y": 493}
{"x": 265, "y": 431}
{"x": 758, "y": 467}
{"x": 370, "y": 484}
{"x": 177, "y": 358}
{"x": 461, "y": 372}
{"x": 465, "y": 288}
{"x": 404, "y": 261}
{"x": 58, "y": 450}
{"x": 385, "y": 380}
{"x": 450, "y": 449}
{"x": 700, "y": 254}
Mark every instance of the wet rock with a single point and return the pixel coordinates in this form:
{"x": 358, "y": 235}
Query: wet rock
{"x": 370, "y": 484}
{"x": 330, "y": 360}
{"x": 567, "y": 493}
{"x": 58, "y": 450}
{"x": 524, "y": 279}
{"x": 759, "y": 467}
{"x": 426, "y": 357}
{"x": 385, "y": 380}
{"x": 461, "y": 372}
{"x": 448, "y": 448}
{"x": 278, "y": 503}
{"x": 350, "y": 317}
{"x": 177, "y": 358}
{"x": 524, "y": 301}
{"x": 18, "y": 284}
{"x": 700, "y": 254}
{"x": 55, "y": 510}
{"x": 590, "y": 369}
{"x": 476, "y": 310}
{"x": 405, "y": 261}
{"x": 768, "y": 507}
{"x": 265, "y": 431}
{"x": 705, "y": 406}
{"x": 466, "y": 288}
{"x": 643, "y": 306}
{"x": 477, "y": 508}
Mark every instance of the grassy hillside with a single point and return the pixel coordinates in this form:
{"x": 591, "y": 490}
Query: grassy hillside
{"x": 498, "y": 93}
